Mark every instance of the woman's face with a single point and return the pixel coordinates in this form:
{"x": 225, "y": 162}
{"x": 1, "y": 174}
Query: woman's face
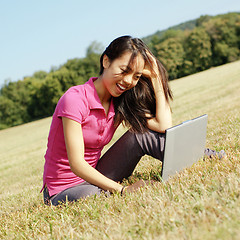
{"x": 118, "y": 77}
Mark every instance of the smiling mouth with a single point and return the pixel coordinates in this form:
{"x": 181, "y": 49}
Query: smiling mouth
{"x": 121, "y": 87}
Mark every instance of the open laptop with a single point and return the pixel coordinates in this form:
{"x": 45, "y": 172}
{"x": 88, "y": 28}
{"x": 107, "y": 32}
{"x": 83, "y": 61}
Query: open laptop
{"x": 184, "y": 145}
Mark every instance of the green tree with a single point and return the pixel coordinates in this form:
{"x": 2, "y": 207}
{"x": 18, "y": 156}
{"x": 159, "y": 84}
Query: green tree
{"x": 65, "y": 77}
{"x": 40, "y": 75}
{"x": 171, "y": 53}
{"x": 94, "y": 48}
{"x": 198, "y": 50}
{"x": 44, "y": 100}
{"x": 155, "y": 40}
{"x": 224, "y": 38}
{"x": 16, "y": 97}
{"x": 84, "y": 67}
{"x": 10, "y": 113}
{"x": 202, "y": 19}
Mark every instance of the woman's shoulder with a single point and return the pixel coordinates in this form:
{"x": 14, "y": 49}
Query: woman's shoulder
{"x": 78, "y": 89}
{"x": 74, "y": 97}
{"x": 81, "y": 93}
{"x": 74, "y": 93}
{"x": 73, "y": 104}
{"x": 77, "y": 99}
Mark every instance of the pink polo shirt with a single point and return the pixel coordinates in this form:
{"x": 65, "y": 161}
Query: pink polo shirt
{"x": 81, "y": 104}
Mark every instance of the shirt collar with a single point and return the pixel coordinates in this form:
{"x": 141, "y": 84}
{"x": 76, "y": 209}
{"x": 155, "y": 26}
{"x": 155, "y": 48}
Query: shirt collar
{"x": 94, "y": 100}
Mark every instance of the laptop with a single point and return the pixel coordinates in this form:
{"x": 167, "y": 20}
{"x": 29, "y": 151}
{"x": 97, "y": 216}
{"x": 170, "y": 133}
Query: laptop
{"x": 184, "y": 145}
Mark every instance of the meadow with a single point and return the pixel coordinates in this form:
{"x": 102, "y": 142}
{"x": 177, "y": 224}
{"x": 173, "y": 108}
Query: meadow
{"x": 202, "y": 202}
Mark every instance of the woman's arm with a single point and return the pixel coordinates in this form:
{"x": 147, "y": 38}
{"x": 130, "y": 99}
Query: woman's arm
{"x": 163, "y": 118}
{"x": 75, "y": 150}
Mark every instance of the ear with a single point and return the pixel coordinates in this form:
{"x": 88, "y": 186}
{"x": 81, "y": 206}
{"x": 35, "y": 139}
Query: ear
{"x": 106, "y": 61}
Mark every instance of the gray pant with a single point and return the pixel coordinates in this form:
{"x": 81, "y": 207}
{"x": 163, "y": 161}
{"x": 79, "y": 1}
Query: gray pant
{"x": 117, "y": 163}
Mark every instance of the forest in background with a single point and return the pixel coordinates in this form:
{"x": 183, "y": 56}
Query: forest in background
{"x": 184, "y": 49}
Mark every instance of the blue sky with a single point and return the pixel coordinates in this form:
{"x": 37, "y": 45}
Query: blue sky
{"x": 36, "y": 35}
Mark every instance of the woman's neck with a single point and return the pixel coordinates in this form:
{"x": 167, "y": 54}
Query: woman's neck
{"x": 102, "y": 92}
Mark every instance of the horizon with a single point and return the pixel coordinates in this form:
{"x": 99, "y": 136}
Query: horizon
{"x": 46, "y": 36}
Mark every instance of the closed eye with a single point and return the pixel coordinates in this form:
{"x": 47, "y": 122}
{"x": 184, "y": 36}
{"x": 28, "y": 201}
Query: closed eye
{"x": 124, "y": 71}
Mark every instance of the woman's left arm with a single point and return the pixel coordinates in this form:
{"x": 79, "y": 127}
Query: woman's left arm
{"x": 163, "y": 118}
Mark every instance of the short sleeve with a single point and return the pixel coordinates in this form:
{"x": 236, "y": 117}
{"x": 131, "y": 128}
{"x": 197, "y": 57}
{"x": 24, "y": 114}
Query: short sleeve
{"x": 73, "y": 104}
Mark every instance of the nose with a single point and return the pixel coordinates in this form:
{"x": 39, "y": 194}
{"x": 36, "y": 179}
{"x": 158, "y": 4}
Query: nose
{"x": 127, "y": 80}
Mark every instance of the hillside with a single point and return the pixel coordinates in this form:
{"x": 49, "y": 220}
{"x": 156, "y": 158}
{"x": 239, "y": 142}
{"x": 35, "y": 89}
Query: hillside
{"x": 189, "y": 25}
{"x": 201, "y": 203}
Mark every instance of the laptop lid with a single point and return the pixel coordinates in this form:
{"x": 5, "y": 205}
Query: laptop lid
{"x": 184, "y": 145}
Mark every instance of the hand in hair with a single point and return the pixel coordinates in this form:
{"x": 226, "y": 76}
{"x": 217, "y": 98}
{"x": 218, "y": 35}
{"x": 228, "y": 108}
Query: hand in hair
{"x": 156, "y": 73}
{"x": 151, "y": 69}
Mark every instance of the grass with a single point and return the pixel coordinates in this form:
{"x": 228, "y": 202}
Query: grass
{"x": 203, "y": 202}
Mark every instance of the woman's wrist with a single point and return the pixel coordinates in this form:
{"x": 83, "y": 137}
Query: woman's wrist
{"x": 118, "y": 188}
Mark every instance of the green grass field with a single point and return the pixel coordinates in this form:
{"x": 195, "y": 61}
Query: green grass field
{"x": 203, "y": 202}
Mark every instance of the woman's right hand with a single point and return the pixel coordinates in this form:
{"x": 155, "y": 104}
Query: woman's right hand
{"x": 139, "y": 184}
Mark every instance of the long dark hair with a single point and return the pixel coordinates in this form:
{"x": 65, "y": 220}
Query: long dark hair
{"x": 135, "y": 106}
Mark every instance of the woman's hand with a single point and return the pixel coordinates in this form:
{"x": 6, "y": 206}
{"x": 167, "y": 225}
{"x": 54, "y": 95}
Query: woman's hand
{"x": 151, "y": 72}
{"x": 139, "y": 184}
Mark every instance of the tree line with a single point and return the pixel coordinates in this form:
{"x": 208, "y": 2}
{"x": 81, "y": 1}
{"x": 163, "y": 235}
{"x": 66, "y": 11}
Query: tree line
{"x": 213, "y": 41}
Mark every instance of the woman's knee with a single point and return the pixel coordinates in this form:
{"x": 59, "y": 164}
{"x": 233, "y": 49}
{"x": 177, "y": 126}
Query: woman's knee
{"x": 152, "y": 143}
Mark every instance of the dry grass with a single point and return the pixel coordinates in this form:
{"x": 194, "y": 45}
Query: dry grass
{"x": 203, "y": 202}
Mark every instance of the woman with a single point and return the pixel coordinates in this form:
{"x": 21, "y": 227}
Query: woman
{"x": 132, "y": 88}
